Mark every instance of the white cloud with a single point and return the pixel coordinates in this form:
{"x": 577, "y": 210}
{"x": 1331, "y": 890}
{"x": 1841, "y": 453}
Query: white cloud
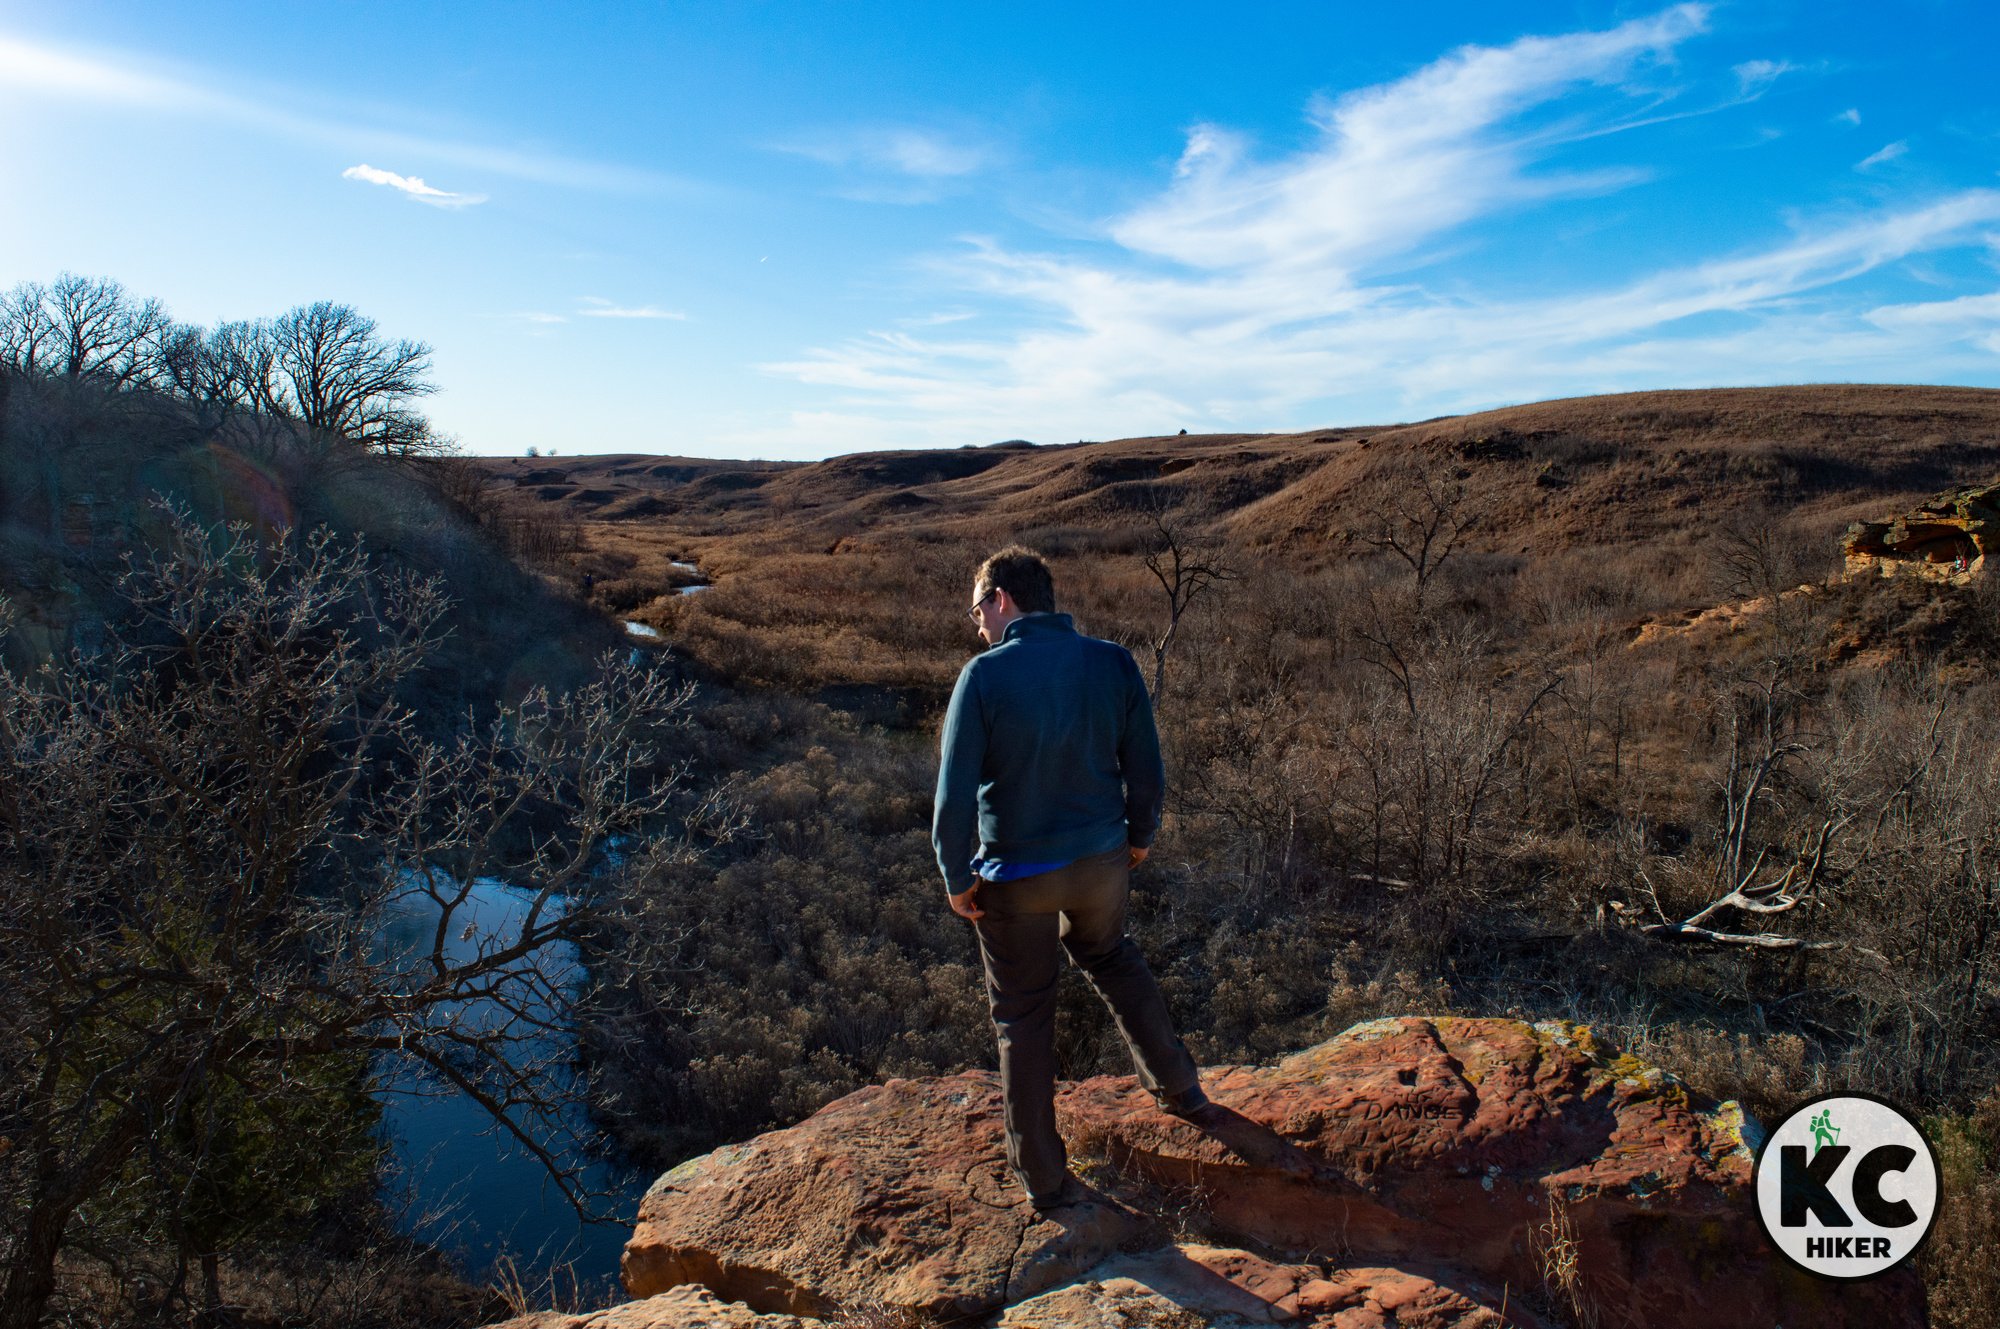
{"x": 1852, "y": 115}
{"x": 1888, "y": 153}
{"x": 1982, "y": 309}
{"x": 1287, "y": 293}
{"x": 411, "y": 186}
{"x": 1394, "y": 164}
{"x": 595, "y": 306}
{"x": 122, "y": 79}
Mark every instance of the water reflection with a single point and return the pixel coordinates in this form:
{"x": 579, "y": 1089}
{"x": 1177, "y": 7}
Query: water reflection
{"x": 477, "y": 1192}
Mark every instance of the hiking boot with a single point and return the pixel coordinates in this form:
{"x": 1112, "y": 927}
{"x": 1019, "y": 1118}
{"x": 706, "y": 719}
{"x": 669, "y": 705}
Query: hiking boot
{"x": 1070, "y": 1192}
{"x": 1187, "y": 1104}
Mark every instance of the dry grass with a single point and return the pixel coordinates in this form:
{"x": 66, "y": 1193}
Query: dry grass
{"x": 356, "y": 1280}
{"x": 1562, "y": 1266}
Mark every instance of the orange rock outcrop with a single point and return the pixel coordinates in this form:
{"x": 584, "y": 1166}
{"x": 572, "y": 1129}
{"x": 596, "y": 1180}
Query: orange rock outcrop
{"x": 1437, "y": 1172}
{"x": 1946, "y": 539}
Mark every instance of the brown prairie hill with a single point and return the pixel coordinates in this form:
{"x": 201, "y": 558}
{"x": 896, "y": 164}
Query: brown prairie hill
{"x": 1558, "y": 474}
{"x": 1656, "y": 465}
{"x": 844, "y": 572}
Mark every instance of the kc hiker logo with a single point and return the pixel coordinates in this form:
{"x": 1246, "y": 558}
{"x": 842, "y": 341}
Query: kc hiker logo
{"x": 1847, "y": 1186}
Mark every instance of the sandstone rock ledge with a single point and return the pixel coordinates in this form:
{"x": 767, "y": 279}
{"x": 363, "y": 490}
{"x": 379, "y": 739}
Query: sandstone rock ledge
{"x": 1413, "y": 1172}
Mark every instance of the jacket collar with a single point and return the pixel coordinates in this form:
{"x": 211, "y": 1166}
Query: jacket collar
{"x": 1028, "y": 624}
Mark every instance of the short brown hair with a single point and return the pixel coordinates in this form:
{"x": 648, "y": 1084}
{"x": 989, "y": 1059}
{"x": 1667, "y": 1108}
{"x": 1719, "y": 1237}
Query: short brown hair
{"x": 1022, "y": 573}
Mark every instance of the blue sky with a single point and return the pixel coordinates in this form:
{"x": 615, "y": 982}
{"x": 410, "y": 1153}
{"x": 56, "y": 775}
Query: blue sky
{"x": 794, "y": 230}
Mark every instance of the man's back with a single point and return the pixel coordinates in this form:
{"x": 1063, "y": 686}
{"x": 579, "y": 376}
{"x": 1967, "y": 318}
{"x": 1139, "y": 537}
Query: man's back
{"x": 1050, "y": 736}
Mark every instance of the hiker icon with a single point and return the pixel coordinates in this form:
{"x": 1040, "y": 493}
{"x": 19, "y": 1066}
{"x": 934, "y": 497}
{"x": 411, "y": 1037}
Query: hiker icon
{"x": 1824, "y": 1132}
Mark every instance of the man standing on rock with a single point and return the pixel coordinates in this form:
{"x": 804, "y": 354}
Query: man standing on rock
{"x": 1048, "y": 795}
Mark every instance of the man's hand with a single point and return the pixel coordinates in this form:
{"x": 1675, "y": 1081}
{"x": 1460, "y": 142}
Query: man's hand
{"x": 1138, "y": 855}
{"x": 967, "y": 905}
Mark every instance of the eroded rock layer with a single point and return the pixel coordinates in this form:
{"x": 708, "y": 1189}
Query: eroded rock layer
{"x": 1947, "y": 539}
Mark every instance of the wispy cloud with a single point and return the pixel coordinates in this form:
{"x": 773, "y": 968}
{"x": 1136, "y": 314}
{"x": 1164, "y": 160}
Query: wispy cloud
{"x": 923, "y": 153}
{"x": 1971, "y": 318}
{"x": 25, "y": 67}
{"x": 1852, "y": 115}
{"x": 122, "y": 79}
{"x": 1394, "y": 165}
{"x": 892, "y": 165}
{"x": 1754, "y": 76}
{"x": 1887, "y": 153}
{"x": 1261, "y": 293}
{"x": 594, "y": 306}
{"x": 411, "y": 186}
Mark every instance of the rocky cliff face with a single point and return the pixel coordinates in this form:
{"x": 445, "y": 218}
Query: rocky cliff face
{"x": 1946, "y": 539}
{"x": 1411, "y": 1172}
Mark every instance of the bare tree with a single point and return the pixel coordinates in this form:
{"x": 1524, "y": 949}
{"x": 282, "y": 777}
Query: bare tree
{"x": 27, "y": 329}
{"x": 218, "y": 373}
{"x": 1186, "y": 566}
{"x": 328, "y": 369}
{"x": 202, "y": 830}
{"x": 80, "y": 328}
{"x": 1424, "y": 528}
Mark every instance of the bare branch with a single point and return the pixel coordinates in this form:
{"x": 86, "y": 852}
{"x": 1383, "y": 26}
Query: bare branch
{"x": 1187, "y": 567}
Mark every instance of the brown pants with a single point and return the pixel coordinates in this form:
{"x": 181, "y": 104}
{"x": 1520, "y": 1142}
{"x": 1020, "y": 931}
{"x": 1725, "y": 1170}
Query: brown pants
{"x": 1082, "y": 908}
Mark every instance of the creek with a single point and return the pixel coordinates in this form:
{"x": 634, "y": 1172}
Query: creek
{"x": 473, "y": 1191}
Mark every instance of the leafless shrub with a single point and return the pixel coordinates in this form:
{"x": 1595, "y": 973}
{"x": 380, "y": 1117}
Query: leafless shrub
{"x": 1426, "y": 521}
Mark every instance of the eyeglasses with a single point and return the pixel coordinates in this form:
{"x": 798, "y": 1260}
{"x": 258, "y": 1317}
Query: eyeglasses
{"x": 973, "y": 613}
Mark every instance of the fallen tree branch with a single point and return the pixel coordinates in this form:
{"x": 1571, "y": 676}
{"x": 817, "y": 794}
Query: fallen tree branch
{"x": 1769, "y": 941}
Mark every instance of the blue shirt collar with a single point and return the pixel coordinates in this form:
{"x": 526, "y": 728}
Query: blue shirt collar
{"x": 1047, "y": 622}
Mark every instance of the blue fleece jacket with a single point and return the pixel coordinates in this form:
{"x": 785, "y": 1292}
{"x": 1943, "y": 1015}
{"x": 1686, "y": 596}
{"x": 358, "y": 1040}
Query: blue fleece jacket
{"x": 1049, "y": 753}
